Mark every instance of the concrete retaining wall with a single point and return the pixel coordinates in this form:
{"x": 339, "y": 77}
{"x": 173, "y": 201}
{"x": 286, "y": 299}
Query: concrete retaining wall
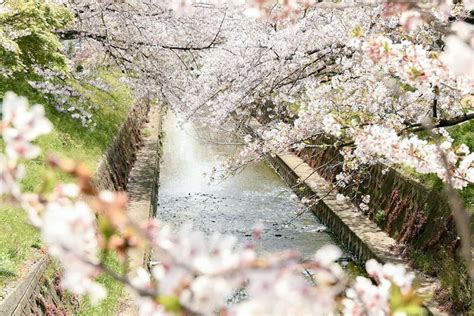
{"x": 36, "y": 294}
{"x": 143, "y": 194}
{"x": 416, "y": 216}
{"x": 357, "y": 233}
{"x": 114, "y": 168}
{"x": 31, "y": 296}
{"x": 143, "y": 186}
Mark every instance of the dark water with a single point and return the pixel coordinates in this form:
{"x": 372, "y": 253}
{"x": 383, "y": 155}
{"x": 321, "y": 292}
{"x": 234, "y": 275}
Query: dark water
{"x": 234, "y": 205}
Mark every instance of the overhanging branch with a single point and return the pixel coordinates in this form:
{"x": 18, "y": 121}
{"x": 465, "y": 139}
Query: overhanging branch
{"x": 443, "y": 123}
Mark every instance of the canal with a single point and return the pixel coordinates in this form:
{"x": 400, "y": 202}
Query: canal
{"x": 234, "y": 205}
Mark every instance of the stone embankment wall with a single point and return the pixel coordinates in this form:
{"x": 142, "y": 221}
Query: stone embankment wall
{"x": 417, "y": 217}
{"x": 38, "y": 293}
{"x": 114, "y": 168}
{"x": 142, "y": 190}
{"x": 357, "y": 233}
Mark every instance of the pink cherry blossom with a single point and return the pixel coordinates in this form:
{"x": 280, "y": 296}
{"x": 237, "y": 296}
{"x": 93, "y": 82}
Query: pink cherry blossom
{"x": 69, "y": 231}
{"x": 22, "y": 125}
{"x": 10, "y": 175}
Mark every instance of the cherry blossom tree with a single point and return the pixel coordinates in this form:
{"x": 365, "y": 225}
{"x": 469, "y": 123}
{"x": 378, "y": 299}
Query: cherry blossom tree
{"x": 372, "y": 76}
{"x": 361, "y": 72}
{"x": 35, "y": 61}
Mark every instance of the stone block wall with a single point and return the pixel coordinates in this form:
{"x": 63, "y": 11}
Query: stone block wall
{"x": 114, "y": 168}
{"x": 346, "y": 237}
{"x": 417, "y": 217}
{"x": 355, "y": 231}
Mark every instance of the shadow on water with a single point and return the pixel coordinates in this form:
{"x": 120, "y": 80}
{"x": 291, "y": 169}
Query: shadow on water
{"x": 234, "y": 205}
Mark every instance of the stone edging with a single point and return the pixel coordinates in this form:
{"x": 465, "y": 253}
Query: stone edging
{"x": 17, "y": 301}
{"x": 143, "y": 193}
{"x": 362, "y": 237}
{"x": 114, "y": 168}
{"x": 143, "y": 185}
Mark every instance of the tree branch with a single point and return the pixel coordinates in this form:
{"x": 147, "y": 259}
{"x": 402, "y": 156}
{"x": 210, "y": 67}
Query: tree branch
{"x": 443, "y": 123}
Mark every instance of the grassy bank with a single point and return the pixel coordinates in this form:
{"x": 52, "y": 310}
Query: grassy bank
{"x": 115, "y": 291}
{"x": 461, "y": 134}
{"x": 18, "y": 240}
{"x": 441, "y": 258}
{"x": 456, "y": 289}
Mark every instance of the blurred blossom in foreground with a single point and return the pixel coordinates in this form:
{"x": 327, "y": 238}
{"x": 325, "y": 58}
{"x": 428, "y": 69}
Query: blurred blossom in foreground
{"x": 21, "y": 125}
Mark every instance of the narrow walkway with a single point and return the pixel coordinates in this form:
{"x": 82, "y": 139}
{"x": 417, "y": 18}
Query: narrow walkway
{"x": 140, "y": 188}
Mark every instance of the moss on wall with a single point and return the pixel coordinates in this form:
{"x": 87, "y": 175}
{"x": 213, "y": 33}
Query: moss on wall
{"x": 417, "y": 216}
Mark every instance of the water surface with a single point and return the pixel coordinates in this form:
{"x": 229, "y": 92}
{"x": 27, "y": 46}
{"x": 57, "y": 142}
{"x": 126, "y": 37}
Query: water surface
{"x": 235, "y": 205}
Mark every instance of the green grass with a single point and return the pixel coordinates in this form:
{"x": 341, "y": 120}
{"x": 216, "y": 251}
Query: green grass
{"x": 451, "y": 272}
{"x": 115, "y": 290}
{"x": 19, "y": 240}
{"x": 464, "y": 134}
{"x": 422, "y": 261}
{"x": 354, "y": 269}
{"x": 461, "y": 134}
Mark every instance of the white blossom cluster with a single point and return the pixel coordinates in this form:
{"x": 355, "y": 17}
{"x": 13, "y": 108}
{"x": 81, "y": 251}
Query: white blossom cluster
{"x": 343, "y": 71}
{"x": 19, "y": 127}
{"x": 367, "y": 298}
{"x": 334, "y": 68}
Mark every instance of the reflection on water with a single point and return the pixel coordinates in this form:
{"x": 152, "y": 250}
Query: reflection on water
{"x": 234, "y": 205}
